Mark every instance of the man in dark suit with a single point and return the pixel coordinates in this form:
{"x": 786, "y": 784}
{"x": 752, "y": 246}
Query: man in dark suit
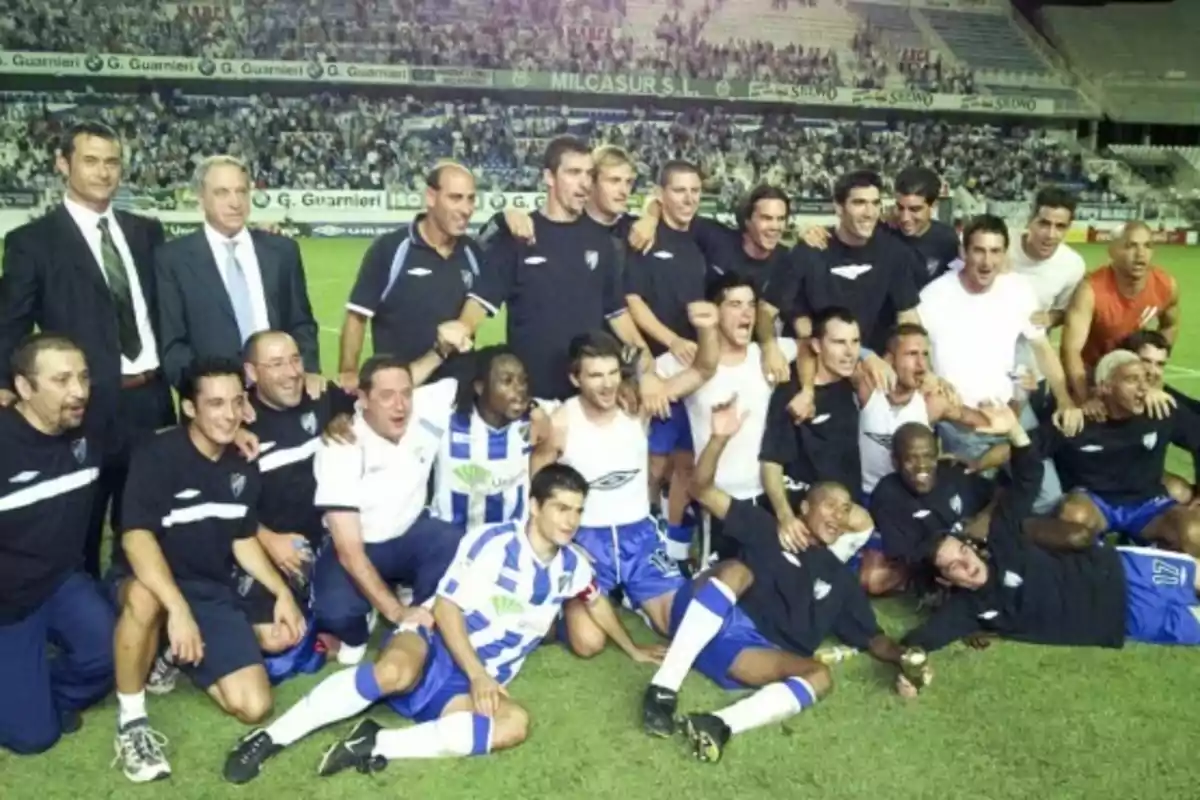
{"x": 86, "y": 271}
{"x": 224, "y": 283}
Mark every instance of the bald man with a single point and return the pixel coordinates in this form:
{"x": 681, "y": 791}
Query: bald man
{"x": 416, "y": 277}
{"x": 1114, "y": 301}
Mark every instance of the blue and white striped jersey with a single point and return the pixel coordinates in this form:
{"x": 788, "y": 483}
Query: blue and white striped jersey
{"x": 482, "y": 474}
{"x": 508, "y": 596}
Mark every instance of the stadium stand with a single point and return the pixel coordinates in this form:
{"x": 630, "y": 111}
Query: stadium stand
{"x": 1141, "y": 83}
{"x": 348, "y": 141}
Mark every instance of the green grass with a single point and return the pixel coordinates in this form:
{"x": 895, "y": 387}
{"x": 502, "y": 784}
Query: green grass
{"x": 1014, "y": 722}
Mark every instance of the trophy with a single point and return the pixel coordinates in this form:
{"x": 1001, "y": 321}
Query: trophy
{"x": 912, "y": 666}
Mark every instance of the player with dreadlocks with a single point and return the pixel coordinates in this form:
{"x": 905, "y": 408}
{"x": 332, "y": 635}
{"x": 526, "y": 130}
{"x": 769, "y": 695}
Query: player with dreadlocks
{"x": 482, "y": 473}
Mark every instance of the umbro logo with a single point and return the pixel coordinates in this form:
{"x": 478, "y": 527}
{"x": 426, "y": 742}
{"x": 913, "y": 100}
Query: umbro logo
{"x": 663, "y": 254}
{"x": 614, "y": 480}
{"x": 24, "y": 477}
{"x": 536, "y": 260}
{"x": 420, "y": 272}
{"x": 921, "y": 514}
{"x": 1091, "y": 448}
{"x": 989, "y": 614}
{"x": 851, "y": 271}
{"x": 819, "y": 419}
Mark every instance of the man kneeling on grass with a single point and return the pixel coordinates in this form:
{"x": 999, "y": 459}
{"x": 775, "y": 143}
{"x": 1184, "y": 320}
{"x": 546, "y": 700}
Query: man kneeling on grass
{"x": 1073, "y": 594}
{"x": 496, "y": 603}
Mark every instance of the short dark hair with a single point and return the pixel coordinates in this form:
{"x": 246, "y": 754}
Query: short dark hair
{"x": 856, "y": 179}
{"x": 207, "y": 367}
{"x": 23, "y": 361}
{"x": 560, "y": 146}
{"x": 821, "y": 320}
{"x": 910, "y": 432}
{"x": 593, "y": 344}
{"x": 556, "y": 478}
{"x": 481, "y": 370}
{"x": 376, "y": 364}
{"x": 821, "y": 488}
{"x": 920, "y": 181}
{"x": 984, "y": 223}
{"x": 764, "y": 191}
{"x": 673, "y": 167}
{"x": 722, "y": 284}
{"x": 1142, "y": 338}
{"x": 66, "y": 144}
{"x": 904, "y": 329}
{"x": 1054, "y": 197}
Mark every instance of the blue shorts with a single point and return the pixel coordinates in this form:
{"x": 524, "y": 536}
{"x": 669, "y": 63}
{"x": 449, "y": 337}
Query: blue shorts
{"x": 441, "y": 681}
{"x": 1131, "y": 518}
{"x": 736, "y": 636}
{"x": 1160, "y": 596}
{"x": 229, "y": 640}
{"x": 418, "y": 558}
{"x": 632, "y": 557}
{"x": 672, "y": 434}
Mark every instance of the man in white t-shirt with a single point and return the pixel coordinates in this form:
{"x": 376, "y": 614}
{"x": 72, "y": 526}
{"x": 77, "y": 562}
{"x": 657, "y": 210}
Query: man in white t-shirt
{"x": 739, "y": 372}
{"x": 372, "y": 493}
{"x": 1052, "y": 267}
{"x": 975, "y": 318}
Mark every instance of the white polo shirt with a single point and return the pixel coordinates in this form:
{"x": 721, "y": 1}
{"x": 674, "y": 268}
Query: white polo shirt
{"x": 974, "y": 336}
{"x": 738, "y": 472}
{"x": 386, "y": 482}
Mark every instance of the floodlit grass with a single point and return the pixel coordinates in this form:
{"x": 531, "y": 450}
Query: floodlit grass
{"x": 1014, "y": 722}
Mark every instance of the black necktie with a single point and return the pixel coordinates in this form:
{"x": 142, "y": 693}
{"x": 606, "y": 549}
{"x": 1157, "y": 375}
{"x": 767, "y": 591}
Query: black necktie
{"x": 118, "y": 286}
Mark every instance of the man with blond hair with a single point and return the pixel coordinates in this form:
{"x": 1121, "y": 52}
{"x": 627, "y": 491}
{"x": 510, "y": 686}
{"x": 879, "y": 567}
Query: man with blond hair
{"x": 221, "y": 285}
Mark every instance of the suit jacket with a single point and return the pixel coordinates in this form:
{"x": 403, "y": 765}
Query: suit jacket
{"x": 196, "y": 316}
{"x": 51, "y": 280}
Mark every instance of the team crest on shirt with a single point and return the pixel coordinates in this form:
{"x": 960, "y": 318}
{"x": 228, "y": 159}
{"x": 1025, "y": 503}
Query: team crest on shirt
{"x": 309, "y": 423}
{"x": 931, "y": 264}
{"x": 956, "y": 504}
{"x": 821, "y": 590}
{"x": 592, "y": 258}
{"x": 524, "y": 430}
{"x": 614, "y": 480}
{"x": 1149, "y": 440}
{"x": 237, "y": 483}
{"x": 79, "y": 450}
{"x": 468, "y": 278}
{"x": 564, "y": 582}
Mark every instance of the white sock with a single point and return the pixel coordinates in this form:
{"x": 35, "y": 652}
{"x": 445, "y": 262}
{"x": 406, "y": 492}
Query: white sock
{"x": 772, "y": 703}
{"x": 130, "y": 708}
{"x": 351, "y": 655}
{"x": 701, "y": 621}
{"x": 454, "y": 735}
{"x": 336, "y": 698}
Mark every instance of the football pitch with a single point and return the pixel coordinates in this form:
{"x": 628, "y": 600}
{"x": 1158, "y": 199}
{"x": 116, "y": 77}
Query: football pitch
{"x": 1016, "y": 721}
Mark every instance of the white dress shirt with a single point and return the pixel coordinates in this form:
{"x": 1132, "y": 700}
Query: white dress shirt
{"x": 244, "y": 249}
{"x": 88, "y": 222}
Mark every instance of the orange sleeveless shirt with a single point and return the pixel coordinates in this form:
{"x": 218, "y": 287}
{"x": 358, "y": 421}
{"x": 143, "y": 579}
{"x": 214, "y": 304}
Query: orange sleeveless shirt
{"x": 1116, "y": 316}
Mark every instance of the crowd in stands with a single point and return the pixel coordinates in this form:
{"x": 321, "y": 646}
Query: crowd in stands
{"x": 584, "y": 36}
{"x": 349, "y": 141}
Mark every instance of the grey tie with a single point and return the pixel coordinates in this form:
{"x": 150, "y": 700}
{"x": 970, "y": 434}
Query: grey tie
{"x": 239, "y": 292}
